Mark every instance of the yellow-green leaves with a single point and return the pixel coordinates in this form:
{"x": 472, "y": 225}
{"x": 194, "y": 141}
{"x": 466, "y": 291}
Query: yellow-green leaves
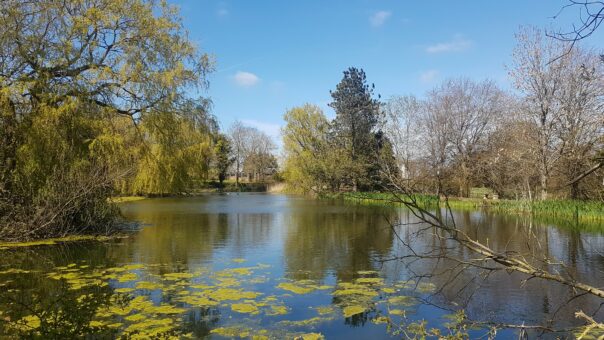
{"x": 302, "y": 286}
{"x": 78, "y": 75}
{"x": 146, "y": 301}
{"x": 294, "y": 288}
{"x": 245, "y": 308}
{"x": 349, "y": 311}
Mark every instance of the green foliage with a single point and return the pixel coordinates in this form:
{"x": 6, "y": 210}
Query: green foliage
{"x": 93, "y": 100}
{"x": 357, "y": 113}
{"x": 56, "y": 183}
{"x": 176, "y": 151}
{"x": 313, "y": 163}
{"x": 346, "y": 154}
{"x": 354, "y": 128}
{"x": 223, "y": 152}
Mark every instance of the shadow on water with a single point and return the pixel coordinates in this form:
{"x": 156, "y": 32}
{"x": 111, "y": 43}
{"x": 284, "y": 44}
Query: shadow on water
{"x": 275, "y": 266}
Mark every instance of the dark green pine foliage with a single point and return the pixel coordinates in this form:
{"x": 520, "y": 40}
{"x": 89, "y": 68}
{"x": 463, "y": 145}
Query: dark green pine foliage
{"x": 355, "y": 127}
{"x": 223, "y": 151}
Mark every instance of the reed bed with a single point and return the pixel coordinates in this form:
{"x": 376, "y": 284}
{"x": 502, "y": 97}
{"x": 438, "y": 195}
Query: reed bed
{"x": 587, "y": 215}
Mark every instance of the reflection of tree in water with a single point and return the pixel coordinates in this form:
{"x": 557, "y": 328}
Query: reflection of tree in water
{"x": 504, "y": 296}
{"x": 341, "y": 239}
{"x": 357, "y": 320}
{"x": 320, "y": 236}
{"x": 60, "y": 312}
{"x": 201, "y": 321}
{"x": 173, "y": 237}
{"x": 192, "y": 233}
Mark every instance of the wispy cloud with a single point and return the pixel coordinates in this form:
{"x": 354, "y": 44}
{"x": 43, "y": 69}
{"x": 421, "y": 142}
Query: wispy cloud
{"x": 246, "y": 79}
{"x": 379, "y": 18}
{"x": 428, "y": 76}
{"x": 222, "y": 9}
{"x": 459, "y": 43}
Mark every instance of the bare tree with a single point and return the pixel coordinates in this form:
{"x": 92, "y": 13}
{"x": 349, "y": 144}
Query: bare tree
{"x": 404, "y": 130}
{"x": 563, "y": 103}
{"x": 466, "y": 111}
{"x": 581, "y": 126}
{"x": 259, "y": 158}
{"x": 506, "y": 163}
{"x": 252, "y": 150}
{"x": 590, "y": 15}
{"x": 238, "y": 133}
{"x": 539, "y": 76}
{"x": 437, "y": 131}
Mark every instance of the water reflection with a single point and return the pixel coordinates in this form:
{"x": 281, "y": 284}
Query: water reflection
{"x": 322, "y": 246}
{"x": 327, "y": 239}
{"x": 505, "y": 296}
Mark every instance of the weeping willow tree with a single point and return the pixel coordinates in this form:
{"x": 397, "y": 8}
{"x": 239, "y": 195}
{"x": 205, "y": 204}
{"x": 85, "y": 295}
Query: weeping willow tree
{"x": 91, "y": 101}
{"x": 176, "y": 152}
{"x": 312, "y": 162}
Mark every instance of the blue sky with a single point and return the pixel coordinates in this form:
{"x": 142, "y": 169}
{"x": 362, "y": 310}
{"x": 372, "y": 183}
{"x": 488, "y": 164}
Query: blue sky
{"x": 274, "y": 55}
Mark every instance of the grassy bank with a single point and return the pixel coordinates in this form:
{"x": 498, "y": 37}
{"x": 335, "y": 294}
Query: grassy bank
{"x": 584, "y": 214}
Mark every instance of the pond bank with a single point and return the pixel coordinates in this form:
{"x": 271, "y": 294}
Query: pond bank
{"x": 588, "y": 215}
{"x": 60, "y": 240}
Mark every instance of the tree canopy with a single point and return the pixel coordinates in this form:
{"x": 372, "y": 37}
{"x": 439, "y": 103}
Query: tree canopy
{"x": 94, "y": 100}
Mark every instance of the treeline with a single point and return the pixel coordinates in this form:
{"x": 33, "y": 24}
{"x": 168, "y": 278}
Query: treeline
{"x": 348, "y": 153}
{"x": 252, "y": 154}
{"x": 544, "y": 139}
{"x": 95, "y": 102}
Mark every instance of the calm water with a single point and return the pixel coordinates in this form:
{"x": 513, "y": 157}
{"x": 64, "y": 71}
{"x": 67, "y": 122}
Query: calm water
{"x": 281, "y": 266}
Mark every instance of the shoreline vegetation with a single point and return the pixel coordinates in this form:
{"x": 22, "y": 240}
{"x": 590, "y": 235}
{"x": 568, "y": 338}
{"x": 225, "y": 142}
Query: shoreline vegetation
{"x": 82, "y": 119}
{"x": 585, "y": 215}
{"x": 80, "y": 125}
{"x": 60, "y": 240}
{"x": 206, "y": 188}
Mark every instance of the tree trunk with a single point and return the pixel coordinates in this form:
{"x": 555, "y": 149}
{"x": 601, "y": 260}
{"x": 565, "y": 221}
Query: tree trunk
{"x": 543, "y": 182}
{"x": 237, "y": 174}
{"x": 574, "y": 190}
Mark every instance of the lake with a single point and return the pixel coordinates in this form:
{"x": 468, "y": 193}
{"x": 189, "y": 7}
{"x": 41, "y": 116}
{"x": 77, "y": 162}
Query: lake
{"x": 278, "y": 266}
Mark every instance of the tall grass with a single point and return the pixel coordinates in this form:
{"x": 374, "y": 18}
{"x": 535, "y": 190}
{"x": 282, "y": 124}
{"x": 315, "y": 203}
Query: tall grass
{"x": 583, "y": 214}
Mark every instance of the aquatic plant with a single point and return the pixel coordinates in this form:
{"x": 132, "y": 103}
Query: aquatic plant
{"x": 131, "y": 301}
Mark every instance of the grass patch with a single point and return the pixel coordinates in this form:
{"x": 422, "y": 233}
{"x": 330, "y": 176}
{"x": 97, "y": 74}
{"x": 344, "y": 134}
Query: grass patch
{"x": 585, "y": 215}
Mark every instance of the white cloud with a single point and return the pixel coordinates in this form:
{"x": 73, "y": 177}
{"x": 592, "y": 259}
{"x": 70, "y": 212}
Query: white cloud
{"x": 271, "y": 129}
{"x": 428, "y": 76}
{"x": 458, "y": 43}
{"x": 246, "y": 79}
{"x": 379, "y": 18}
